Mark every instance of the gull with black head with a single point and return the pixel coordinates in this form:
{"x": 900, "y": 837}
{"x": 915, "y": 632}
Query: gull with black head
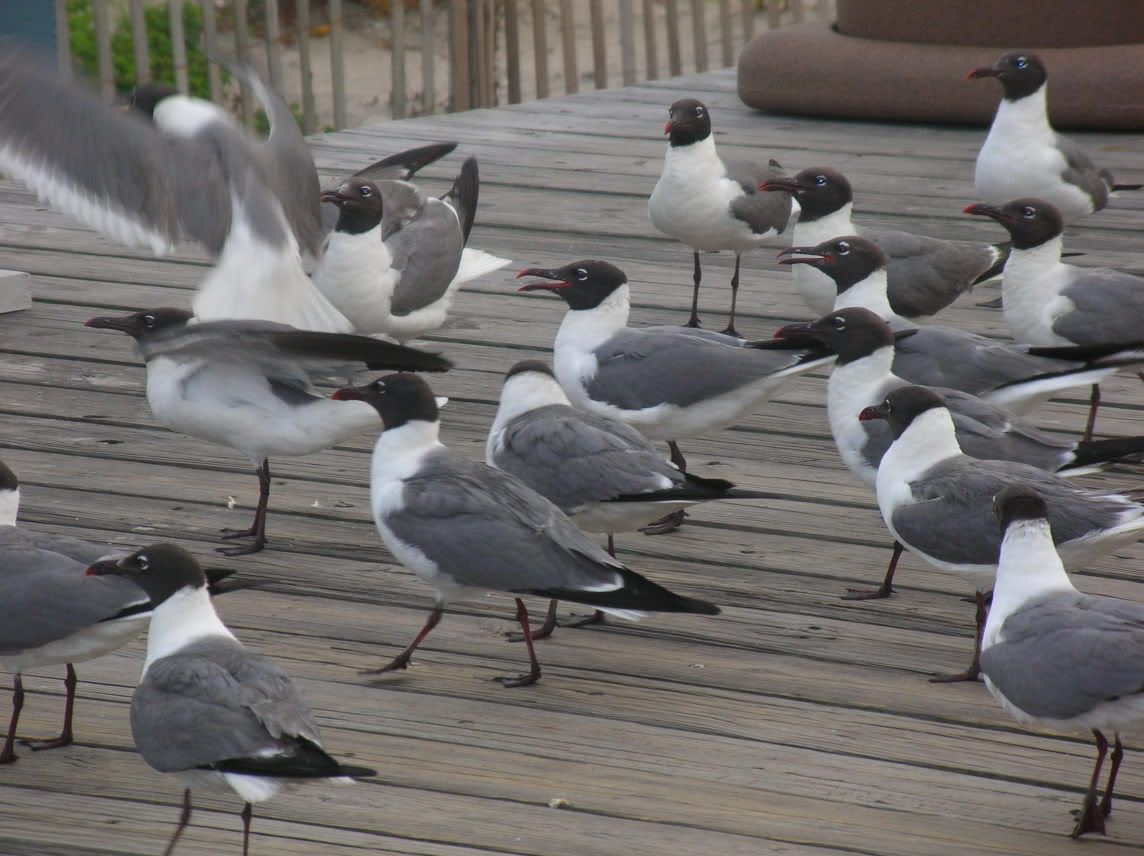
{"x": 208, "y": 711}
{"x": 461, "y": 524}
{"x": 937, "y": 501}
{"x": 923, "y": 274}
{"x": 249, "y": 386}
{"x": 1055, "y": 657}
{"x": 711, "y": 204}
{"x": 1024, "y": 156}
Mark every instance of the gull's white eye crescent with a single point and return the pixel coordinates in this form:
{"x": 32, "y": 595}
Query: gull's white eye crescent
{"x": 843, "y": 248}
{"x": 581, "y": 274}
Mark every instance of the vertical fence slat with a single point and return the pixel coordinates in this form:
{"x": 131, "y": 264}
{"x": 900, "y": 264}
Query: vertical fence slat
{"x": 273, "y": 43}
{"x": 178, "y": 44}
{"x": 540, "y": 47}
{"x": 651, "y": 49}
{"x": 101, "y": 19}
{"x": 241, "y": 26}
{"x": 309, "y": 108}
{"x": 490, "y": 59}
{"x": 337, "y": 64}
{"x": 674, "y": 55}
{"x": 473, "y": 51}
{"x": 63, "y": 40}
{"x": 599, "y": 48}
{"x": 139, "y": 47}
{"x": 459, "y": 28}
{"x": 699, "y": 33}
{"x": 397, "y": 58}
{"x": 512, "y": 49}
{"x": 627, "y": 42}
{"x": 210, "y": 45}
{"x": 747, "y": 12}
{"x": 568, "y": 46}
{"x": 774, "y": 14}
{"x": 428, "y": 59}
{"x": 726, "y": 40}
{"x": 797, "y": 11}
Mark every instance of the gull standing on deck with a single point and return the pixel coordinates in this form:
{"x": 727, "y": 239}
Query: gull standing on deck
{"x": 461, "y": 524}
{"x": 937, "y": 501}
{"x": 923, "y": 275}
{"x": 668, "y": 382}
{"x": 1055, "y": 657}
{"x": 53, "y": 615}
{"x": 207, "y": 710}
{"x": 192, "y": 172}
{"x": 1024, "y": 156}
{"x": 1049, "y": 303}
{"x": 710, "y": 204}
{"x": 863, "y": 376}
{"x": 601, "y": 472}
{"x": 1015, "y": 377}
{"x": 249, "y": 386}
{"x": 396, "y": 257}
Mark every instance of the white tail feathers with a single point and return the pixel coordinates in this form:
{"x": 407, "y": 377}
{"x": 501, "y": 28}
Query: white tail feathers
{"x": 477, "y": 263}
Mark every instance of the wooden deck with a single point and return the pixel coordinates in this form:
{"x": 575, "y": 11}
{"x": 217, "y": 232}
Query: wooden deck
{"x": 794, "y": 723}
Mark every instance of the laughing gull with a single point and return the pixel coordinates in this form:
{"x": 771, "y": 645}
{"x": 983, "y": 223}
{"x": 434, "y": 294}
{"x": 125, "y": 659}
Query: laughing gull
{"x": 710, "y": 204}
{"x": 396, "y": 257}
{"x": 248, "y": 385}
{"x": 1047, "y": 302}
{"x": 462, "y": 524}
{"x": 601, "y": 472}
{"x": 52, "y": 615}
{"x": 863, "y": 376}
{"x": 1055, "y": 657}
{"x": 668, "y": 382}
{"x": 192, "y": 172}
{"x": 1024, "y": 156}
{"x": 937, "y": 501}
{"x": 207, "y": 710}
{"x": 924, "y": 275}
{"x": 1012, "y": 376}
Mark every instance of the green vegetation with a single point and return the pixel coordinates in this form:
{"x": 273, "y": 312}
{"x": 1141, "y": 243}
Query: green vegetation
{"x": 82, "y": 24}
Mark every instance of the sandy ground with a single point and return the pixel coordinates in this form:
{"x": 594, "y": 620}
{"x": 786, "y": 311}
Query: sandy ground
{"x": 367, "y": 58}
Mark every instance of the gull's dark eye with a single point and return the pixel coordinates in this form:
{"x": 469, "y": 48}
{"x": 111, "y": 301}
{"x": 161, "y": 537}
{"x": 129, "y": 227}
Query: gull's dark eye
{"x": 886, "y": 406}
{"x": 838, "y": 322}
{"x": 379, "y": 387}
{"x": 148, "y": 320}
{"x": 820, "y": 180}
{"x": 843, "y": 248}
{"x": 365, "y": 190}
{"x": 1029, "y": 212}
{"x": 698, "y": 111}
{"x": 142, "y": 562}
{"x": 1021, "y": 62}
{"x": 581, "y": 274}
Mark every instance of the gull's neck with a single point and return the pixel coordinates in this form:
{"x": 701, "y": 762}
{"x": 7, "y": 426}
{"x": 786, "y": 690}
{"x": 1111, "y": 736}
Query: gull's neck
{"x": 586, "y": 329}
{"x": 525, "y": 392}
{"x": 929, "y": 440}
{"x": 1029, "y": 567}
{"x": 185, "y": 617}
{"x": 9, "y": 506}
{"x": 824, "y": 228}
{"x": 696, "y": 156}
{"x": 1026, "y": 117}
{"x": 399, "y": 451}
{"x": 871, "y": 293}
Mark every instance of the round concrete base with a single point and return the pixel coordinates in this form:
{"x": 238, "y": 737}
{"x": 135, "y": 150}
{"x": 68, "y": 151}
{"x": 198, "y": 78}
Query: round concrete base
{"x": 812, "y": 69}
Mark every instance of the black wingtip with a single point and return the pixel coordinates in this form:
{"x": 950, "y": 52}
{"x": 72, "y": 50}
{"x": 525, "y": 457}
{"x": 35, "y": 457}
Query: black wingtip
{"x": 637, "y": 593}
{"x": 998, "y": 267}
{"x": 1105, "y": 451}
{"x": 1116, "y": 187}
{"x": 404, "y": 165}
{"x": 355, "y": 772}
{"x": 464, "y": 195}
{"x": 375, "y": 354}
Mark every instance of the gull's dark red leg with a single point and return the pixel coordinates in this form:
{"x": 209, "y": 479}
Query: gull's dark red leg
{"x": 8, "y": 753}
{"x": 545, "y": 629}
{"x": 258, "y": 528}
{"x": 973, "y": 673}
{"x": 1090, "y": 818}
{"x": 730, "y": 328}
{"x": 1117, "y": 756}
{"x": 247, "y": 813}
{"x": 401, "y": 661}
{"x": 1093, "y": 405}
{"x": 886, "y": 588}
{"x": 65, "y": 738}
{"x": 184, "y": 819}
{"x": 697, "y": 276}
{"x": 533, "y": 674}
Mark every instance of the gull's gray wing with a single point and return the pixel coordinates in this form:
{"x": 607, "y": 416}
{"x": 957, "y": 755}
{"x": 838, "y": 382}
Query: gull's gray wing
{"x": 1082, "y": 172}
{"x": 213, "y": 701}
{"x": 404, "y": 165}
{"x": 427, "y": 252}
{"x": 641, "y": 368}
{"x": 952, "y": 517}
{"x": 109, "y": 169}
{"x": 284, "y": 354}
{"x": 762, "y": 212}
{"x": 402, "y": 203}
{"x": 287, "y": 164}
{"x": 44, "y": 596}
{"x": 74, "y": 548}
{"x": 944, "y": 356}
{"x": 1109, "y": 307}
{"x": 575, "y": 458}
{"x": 487, "y": 529}
{"x": 1063, "y": 654}
{"x": 926, "y": 274}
